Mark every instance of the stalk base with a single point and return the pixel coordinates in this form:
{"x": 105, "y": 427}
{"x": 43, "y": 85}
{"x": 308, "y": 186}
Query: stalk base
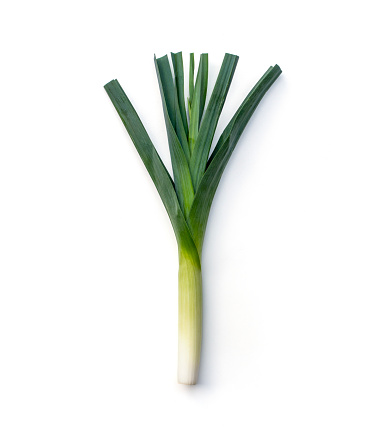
{"x": 189, "y": 319}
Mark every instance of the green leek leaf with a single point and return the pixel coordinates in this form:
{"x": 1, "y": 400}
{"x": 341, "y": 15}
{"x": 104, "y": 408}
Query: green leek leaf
{"x": 198, "y": 101}
{"x": 181, "y": 172}
{"x": 191, "y": 82}
{"x": 170, "y": 98}
{"x": 153, "y": 163}
{"x": 207, "y": 129}
{"x": 200, "y": 209}
{"x": 178, "y": 67}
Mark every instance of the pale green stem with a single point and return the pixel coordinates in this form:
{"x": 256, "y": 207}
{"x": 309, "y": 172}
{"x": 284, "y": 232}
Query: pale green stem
{"x": 189, "y": 318}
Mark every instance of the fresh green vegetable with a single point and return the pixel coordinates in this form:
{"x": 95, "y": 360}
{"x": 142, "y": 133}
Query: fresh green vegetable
{"x": 196, "y": 174}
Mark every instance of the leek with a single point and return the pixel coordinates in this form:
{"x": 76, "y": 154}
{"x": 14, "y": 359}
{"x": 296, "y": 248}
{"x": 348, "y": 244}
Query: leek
{"x": 196, "y": 173}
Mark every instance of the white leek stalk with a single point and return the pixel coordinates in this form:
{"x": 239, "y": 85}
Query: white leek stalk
{"x": 190, "y": 307}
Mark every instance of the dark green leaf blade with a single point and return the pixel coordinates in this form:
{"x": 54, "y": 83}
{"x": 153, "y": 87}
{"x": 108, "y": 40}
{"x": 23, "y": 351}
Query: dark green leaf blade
{"x": 178, "y": 66}
{"x": 198, "y": 100}
{"x": 169, "y": 93}
{"x": 198, "y": 215}
{"x": 180, "y": 164}
{"x": 202, "y": 79}
{"x": 191, "y": 81}
{"x": 211, "y": 116}
{"x": 153, "y": 163}
{"x": 166, "y": 81}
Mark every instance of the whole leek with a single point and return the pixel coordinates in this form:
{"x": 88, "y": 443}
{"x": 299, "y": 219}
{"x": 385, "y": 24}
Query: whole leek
{"x": 188, "y": 199}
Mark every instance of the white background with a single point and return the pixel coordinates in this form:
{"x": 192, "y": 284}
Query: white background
{"x": 296, "y": 256}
